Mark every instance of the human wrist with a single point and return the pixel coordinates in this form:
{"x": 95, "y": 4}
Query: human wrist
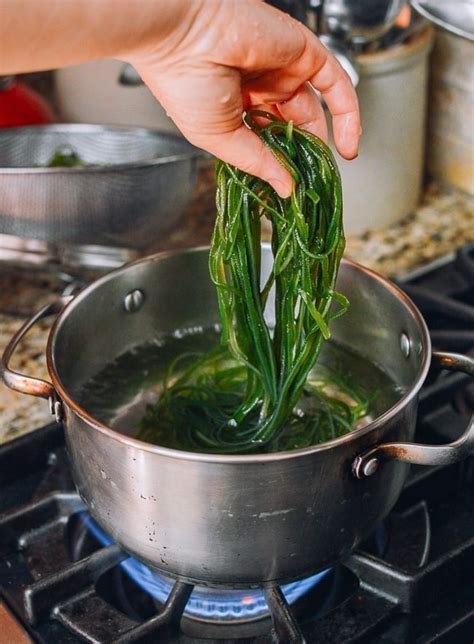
{"x": 158, "y": 31}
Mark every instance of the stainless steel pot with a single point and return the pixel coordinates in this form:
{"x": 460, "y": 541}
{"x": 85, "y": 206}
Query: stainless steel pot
{"x": 237, "y": 521}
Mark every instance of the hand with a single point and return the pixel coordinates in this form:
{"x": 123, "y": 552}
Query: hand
{"x": 205, "y": 60}
{"x": 227, "y": 56}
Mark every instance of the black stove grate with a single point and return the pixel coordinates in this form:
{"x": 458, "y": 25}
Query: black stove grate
{"x": 411, "y": 582}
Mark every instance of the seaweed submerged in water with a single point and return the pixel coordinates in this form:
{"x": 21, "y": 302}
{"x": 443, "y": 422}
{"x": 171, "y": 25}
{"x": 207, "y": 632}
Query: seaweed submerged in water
{"x": 243, "y": 397}
{"x": 65, "y": 157}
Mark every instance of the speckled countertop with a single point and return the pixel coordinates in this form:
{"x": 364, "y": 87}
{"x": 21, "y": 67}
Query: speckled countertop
{"x": 443, "y": 222}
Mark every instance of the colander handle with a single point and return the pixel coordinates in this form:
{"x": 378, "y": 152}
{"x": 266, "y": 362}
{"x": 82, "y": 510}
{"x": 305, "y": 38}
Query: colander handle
{"x": 369, "y": 462}
{"x": 27, "y": 384}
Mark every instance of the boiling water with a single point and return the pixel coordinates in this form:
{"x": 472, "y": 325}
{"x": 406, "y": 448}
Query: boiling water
{"x": 119, "y": 395}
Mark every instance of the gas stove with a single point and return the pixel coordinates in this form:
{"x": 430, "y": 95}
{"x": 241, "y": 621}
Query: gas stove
{"x": 62, "y": 579}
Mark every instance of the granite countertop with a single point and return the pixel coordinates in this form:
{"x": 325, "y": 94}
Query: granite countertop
{"x": 443, "y": 222}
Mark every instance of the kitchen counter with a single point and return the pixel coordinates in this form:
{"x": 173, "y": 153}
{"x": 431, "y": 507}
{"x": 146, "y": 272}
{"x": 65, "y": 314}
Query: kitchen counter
{"x": 443, "y": 222}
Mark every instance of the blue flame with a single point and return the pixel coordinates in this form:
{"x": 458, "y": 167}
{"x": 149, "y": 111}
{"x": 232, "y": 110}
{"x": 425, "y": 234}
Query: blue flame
{"x": 206, "y": 603}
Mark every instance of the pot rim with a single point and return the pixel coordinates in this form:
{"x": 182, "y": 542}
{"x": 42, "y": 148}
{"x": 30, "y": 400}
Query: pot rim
{"x": 223, "y": 459}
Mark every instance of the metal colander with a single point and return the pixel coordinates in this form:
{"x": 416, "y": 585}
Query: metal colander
{"x": 136, "y": 183}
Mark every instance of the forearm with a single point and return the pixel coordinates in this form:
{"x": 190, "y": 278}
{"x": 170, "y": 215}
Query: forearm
{"x": 44, "y": 34}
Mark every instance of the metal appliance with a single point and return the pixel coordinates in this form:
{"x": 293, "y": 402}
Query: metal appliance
{"x": 456, "y": 16}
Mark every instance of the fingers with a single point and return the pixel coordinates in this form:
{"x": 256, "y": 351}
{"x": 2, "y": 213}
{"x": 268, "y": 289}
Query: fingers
{"x": 207, "y": 107}
{"x": 244, "y": 149}
{"x": 196, "y": 105}
{"x": 340, "y": 96}
{"x": 305, "y": 109}
{"x": 262, "y": 121}
{"x": 321, "y": 69}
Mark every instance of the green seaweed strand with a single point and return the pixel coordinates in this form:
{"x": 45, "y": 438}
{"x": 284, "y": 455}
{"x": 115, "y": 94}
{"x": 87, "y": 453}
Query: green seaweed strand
{"x": 239, "y": 399}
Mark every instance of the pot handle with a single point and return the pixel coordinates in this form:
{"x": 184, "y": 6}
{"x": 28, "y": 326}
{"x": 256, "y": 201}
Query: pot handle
{"x": 368, "y": 463}
{"x": 27, "y": 384}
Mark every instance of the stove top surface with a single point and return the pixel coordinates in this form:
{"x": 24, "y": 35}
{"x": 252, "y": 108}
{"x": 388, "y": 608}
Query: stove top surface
{"x": 410, "y": 582}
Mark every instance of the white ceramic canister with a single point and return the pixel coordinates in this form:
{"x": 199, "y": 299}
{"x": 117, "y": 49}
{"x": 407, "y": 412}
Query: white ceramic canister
{"x": 91, "y": 93}
{"x": 450, "y": 149}
{"x": 383, "y": 184}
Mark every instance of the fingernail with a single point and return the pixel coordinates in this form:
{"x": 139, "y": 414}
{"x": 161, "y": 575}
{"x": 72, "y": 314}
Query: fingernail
{"x": 353, "y": 156}
{"x": 282, "y": 188}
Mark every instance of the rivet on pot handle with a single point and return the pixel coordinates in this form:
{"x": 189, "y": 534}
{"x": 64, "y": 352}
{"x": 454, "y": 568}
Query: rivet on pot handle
{"x": 368, "y": 463}
{"x": 27, "y": 384}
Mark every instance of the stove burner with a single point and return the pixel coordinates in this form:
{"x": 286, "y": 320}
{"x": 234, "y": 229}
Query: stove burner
{"x": 206, "y": 604}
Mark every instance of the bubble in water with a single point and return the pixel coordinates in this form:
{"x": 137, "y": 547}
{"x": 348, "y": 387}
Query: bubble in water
{"x": 186, "y": 331}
